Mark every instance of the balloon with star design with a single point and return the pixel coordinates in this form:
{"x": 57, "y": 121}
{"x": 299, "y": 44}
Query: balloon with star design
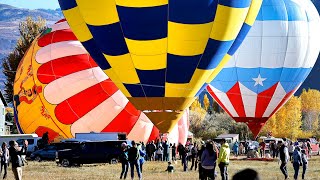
{"x": 272, "y": 62}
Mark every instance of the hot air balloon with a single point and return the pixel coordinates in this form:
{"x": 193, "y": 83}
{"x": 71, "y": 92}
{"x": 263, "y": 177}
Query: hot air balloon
{"x": 273, "y": 61}
{"x": 159, "y": 53}
{"x": 59, "y": 89}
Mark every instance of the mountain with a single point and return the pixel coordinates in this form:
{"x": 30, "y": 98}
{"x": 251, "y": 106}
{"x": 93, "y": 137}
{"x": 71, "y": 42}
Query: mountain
{"x": 312, "y": 81}
{"x": 10, "y": 17}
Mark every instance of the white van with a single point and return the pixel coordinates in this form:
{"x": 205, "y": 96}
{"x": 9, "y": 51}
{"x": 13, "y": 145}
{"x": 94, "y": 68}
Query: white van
{"x": 31, "y": 138}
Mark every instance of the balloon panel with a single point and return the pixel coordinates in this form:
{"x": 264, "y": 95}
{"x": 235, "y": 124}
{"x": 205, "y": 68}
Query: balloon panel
{"x": 159, "y": 53}
{"x": 60, "y": 89}
{"x": 273, "y": 61}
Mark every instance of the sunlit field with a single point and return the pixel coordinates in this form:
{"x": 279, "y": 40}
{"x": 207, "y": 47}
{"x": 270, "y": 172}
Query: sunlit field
{"x": 154, "y": 170}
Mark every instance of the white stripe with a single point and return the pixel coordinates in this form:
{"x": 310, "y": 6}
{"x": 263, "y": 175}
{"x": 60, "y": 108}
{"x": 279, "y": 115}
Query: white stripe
{"x": 99, "y": 117}
{"x": 141, "y": 131}
{"x": 277, "y": 97}
{"x": 59, "y": 50}
{"x": 67, "y": 86}
{"x": 60, "y": 26}
{"x": 249, "y": 99}
{"x": 276, "y": 44}
{"x": 225, "y": 101}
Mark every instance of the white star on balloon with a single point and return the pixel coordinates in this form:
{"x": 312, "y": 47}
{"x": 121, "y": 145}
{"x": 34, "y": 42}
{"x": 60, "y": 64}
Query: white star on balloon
{"x": 259, "y": 80}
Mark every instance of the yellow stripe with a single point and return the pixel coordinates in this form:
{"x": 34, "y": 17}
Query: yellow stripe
{"x": 253, "y": 11}
{"x": 77, "y": 24}
{"x": 227, "y": 23}
{"x": 150, "y": 62}
{"x": 124, "y": 68}
{"x": 115, "y": 79}
{"x": 150, "y": 47}
{"x": 141, "y": 3}
{"x": 197, "y": 81}
{"x": 216, "y": 71}
{"x": 175, "y": 90}
{"x": 188, "y": 39}
{"x": 98, "y": 12}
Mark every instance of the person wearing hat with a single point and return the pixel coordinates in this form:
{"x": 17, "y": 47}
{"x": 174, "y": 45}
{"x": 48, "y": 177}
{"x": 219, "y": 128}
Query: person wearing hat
{"x": 124, "y": 161}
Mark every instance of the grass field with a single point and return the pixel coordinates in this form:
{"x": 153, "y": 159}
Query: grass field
{"x": 154, "y": 170}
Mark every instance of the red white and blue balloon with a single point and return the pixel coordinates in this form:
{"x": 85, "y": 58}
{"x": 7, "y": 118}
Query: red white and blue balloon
{"x": 273, "y": 61}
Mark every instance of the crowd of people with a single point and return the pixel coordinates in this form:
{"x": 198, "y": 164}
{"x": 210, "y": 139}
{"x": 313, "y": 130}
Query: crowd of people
{"x": 15, "y": 155}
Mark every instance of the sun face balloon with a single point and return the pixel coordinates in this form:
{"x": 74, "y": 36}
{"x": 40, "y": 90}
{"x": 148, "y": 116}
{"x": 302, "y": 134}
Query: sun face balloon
{"x": 159, "y": 53}
{"x": 271, "y": 64}
{"x": 60, "y": 89}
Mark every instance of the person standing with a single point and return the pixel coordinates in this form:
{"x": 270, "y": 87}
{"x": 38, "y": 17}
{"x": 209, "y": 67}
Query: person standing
{"x": 133, "y": 157}
{"x": 24, "y": 152}
{"x": 223, "y": 159}
{"x": 174, "y": 152}
{"x": 291, "y": 150}
{"x": 235, "y": 149}
{"x": 284, "y": 157}
{"x": 184, "y": 158}
{"x": 194, "y": 152}
{"x": 165, "y": 146}
{"x": 15, "y": 157}
{"x": 296, "y": 162}
{"x": 304, "y": 162}
{"x": 199, "y": 155}
{"x": 124, "y": 161}
{"x": 4, "y": 159}
{"x": 309, "y": 149}
{"x": 208, "y": 162}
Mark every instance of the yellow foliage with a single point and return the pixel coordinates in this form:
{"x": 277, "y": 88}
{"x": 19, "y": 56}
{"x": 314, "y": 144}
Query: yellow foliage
{"x": 206, "y": 102}
{"x": 287, "y": 121}
{"x": 196, "y": 104}
{"x": 310, "y": 100}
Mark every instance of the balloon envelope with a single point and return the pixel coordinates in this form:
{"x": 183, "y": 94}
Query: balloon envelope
{"x": 273, "y": 61}
{"x": 159, "y": 53}
{"x": 60, "y": 89}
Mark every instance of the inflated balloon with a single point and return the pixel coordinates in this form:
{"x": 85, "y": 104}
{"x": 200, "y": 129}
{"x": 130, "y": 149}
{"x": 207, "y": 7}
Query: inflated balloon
{"x": 60, "y": 89}
{"x": 159, "y": 53}
{"x": 271, "y": 64}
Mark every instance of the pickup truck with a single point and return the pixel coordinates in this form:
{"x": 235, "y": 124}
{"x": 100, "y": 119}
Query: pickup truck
{"x": 90, "y": 152}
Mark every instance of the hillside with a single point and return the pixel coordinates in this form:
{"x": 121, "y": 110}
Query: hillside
{"x": 9, "y": 26}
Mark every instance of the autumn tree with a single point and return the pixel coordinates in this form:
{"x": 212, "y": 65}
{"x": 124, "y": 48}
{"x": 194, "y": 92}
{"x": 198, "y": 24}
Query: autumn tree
{"x": 287, "y": 121}
{"x": 310, "y": 101}
{"x": 206, "y": 102}
{"x": 29, "y": 30}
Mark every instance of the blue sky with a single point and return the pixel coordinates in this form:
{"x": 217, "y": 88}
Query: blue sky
{"x": 32, "y": 4}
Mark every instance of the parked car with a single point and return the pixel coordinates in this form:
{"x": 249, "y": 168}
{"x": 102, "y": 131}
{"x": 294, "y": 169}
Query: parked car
{"x": 49, "y": 152}
{"x": 90, "y": 152}
{"x": 314, "y": 144}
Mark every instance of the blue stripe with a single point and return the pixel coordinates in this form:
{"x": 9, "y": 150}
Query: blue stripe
{"x": 153, "y": 82}
{"x": 147, "y": 23}
{"x": 67, "y": 4}
{"x": 109, "y": 39}
{"x": 214, "y": 53}
{"x": 203, "y": 87}
{"x": 135, "y": 90}
{"x": 181, "y": 68}
{"x": 192, "y": 11}
{"x": 235, "y": 3}
{"x": 282, "y": 10}
{"x": 96, "y": 54}
{"x": 288, "y": 77}
{"x": 238, "y": 41}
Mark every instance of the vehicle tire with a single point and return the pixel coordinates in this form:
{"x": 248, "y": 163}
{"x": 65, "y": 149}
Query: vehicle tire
{"x": 38, "y": 158}
{"x": 65, "y": 163}
{"x": 113, "y": 161}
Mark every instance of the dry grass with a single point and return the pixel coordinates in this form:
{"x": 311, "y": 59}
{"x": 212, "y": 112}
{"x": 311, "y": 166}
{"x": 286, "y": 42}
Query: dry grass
{"x": 153, "y": 170}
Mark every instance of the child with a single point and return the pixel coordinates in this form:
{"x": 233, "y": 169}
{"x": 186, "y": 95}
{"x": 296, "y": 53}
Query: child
{"x": 170, "y": 167}
{"x": 304, "y": 162}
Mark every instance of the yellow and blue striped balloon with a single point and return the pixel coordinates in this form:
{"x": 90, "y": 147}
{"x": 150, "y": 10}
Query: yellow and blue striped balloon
{"x": 160, "y": 52}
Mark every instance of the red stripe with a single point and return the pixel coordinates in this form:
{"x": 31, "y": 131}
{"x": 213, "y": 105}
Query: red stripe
{"x": 124, "y": 121}
{"x": 255, "y": 128}
{"x": 84, "y": 102}
{"x": 154, "y": 134}
{"x": 213, "y": 95}
{"x": 61, "y": 67}
{"x": 264, "y": 99}
{"x": 57, "y": 36}
{"x": 284, "y": 100}
{"x": 61, "y": 20}
{"x": 234, "y": 95}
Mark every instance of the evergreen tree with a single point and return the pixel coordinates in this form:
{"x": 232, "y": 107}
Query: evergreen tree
{"x": 29, "y": 30}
